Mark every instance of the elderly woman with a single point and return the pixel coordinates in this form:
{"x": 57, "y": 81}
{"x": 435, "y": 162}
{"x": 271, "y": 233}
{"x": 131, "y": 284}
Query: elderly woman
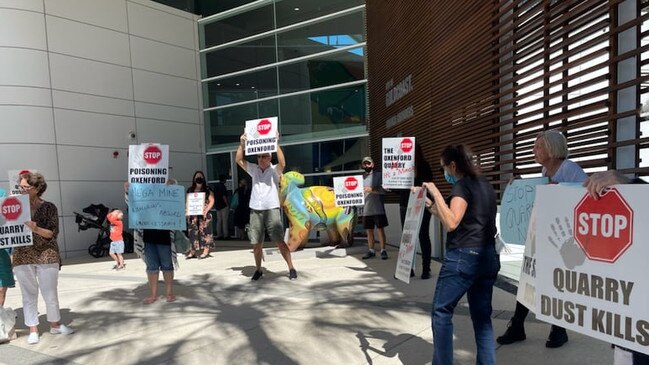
{"x": 471, "y": 263}
{"x": 37, "y": 266}
{"x": 551, "y": 152}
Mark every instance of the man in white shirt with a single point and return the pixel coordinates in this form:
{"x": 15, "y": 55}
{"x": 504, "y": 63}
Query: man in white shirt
{"x": 264, "y": 205}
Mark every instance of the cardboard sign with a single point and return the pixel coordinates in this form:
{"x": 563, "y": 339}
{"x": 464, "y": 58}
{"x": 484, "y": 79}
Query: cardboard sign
{"x": 156, "y": 206}
{"x": 348, "y": 191}
{"x": 14, "y": 180}
{"x": 398, "y": 162}
{"x": 14, "y": 212}
{"x": 148, "y": 163}
{"x": 261, "y": 135}
{"x": 410, "y": 235}
{"x": 195, "y": 203}
{"x": 516, "y": 208}
{"x": 592, "y": 262}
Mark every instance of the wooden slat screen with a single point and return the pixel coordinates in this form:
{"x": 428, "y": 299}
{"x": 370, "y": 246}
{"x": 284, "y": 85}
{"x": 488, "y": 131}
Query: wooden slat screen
{"x": 492, "y": 74}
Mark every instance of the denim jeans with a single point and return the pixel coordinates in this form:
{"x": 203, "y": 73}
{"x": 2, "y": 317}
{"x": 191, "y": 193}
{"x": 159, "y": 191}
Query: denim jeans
{"x": 157, "y": 257}
{"x": 471, "y": 271}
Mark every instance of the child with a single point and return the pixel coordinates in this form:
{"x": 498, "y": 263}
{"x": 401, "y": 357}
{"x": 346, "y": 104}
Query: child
{"x": 117, "y": 241}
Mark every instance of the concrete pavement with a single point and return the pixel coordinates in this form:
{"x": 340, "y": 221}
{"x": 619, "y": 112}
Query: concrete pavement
{"x": 340, "y": 310}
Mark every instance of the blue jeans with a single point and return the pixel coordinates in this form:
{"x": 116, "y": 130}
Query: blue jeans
{"x": 470, "y": 270}
{"x": 157, "y": 257}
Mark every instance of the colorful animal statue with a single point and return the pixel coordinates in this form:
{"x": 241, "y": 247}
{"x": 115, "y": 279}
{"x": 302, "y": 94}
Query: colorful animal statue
{"x": 313, "y": 207}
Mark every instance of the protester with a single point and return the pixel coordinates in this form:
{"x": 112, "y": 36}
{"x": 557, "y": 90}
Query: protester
{"x": 471, "y": 263}
{"x": 242, "y": 208}
{"x": 38, "y": 266}
{"x": 116, "y": 250}
{"x": 551, "y": 152}
{"x": 199, "y": 227}
{"x": 264, "y": 205}
{"x": 222, "y": 208}
{"x": 374, "y": 209}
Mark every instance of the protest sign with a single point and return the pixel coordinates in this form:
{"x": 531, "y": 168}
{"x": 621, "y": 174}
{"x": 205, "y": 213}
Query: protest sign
{"x": 398, "y": 162}
{"x": 410, "y": 235}
{"x": 592, "y": 255}
{"x": 14, "y": 180}
{"x": 261, "y": 136}
{"x": 14, "y": 212}
{"x": 516, "y": 208}
{"x": 156, "y": 206}
{"x": 348, "y": 191}
{"x": 148, "y": 163}
{"x": 195, "y": 203}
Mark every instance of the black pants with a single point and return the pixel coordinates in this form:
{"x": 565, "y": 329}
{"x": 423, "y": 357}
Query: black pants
{"x": 521, "y": 313}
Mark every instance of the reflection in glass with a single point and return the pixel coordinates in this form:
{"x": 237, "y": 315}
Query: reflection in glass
{"x": 240, "y": 57}
{"x": 218, "y": 164}
{"x": 241, "y": 88}
{"x": 226, "y": 125}
{"x": 239, "y": 26}
{"x": 295, "y": 11}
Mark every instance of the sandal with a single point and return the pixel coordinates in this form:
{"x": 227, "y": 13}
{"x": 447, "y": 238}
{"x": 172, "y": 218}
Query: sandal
{"x": 192, "y": 256}
{"x": 171, "y": 298}
{"x": 149, "y": 300}
{"x": 204, "y": 256}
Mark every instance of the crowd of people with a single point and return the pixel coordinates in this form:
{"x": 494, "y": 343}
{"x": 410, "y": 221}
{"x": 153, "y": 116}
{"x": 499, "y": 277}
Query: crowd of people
{"x": 470, "y": 266}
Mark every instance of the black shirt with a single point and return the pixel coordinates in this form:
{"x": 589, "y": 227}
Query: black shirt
{"x": 157, "y": 236}
{"x": 478, "y": 226}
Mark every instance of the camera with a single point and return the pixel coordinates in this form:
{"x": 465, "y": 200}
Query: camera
{"x": 131, "y": 134}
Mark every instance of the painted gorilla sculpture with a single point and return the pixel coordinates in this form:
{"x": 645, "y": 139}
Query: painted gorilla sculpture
{"x": 313, "y": 207}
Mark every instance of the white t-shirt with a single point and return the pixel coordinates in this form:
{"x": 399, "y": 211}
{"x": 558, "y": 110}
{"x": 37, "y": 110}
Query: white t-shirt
{"x": 569, "y": 171}
{"x": 265, "y": 194}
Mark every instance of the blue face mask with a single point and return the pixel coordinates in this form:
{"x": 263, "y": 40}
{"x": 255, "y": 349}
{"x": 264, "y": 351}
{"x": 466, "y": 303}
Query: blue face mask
{"x": 450, "y": 178}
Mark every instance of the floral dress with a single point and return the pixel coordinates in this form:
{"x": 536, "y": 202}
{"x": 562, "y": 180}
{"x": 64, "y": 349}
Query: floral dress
{"x": 199, "y": 229}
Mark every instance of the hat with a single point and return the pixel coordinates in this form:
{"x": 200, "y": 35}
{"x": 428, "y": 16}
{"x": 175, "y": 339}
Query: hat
{"x": 367, "y": 159}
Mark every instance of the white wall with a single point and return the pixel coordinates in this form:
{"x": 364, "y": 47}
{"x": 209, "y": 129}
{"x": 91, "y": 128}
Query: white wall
{"x": 76, "y": 76}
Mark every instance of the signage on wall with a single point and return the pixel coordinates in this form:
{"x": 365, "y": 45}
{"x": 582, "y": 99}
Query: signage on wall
{"x": 394, "y": 93}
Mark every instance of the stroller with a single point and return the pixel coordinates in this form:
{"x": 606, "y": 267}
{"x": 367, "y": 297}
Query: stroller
{"x": 94, "y": 216}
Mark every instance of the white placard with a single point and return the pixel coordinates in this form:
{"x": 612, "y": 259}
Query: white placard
{"x": 348, "y": 191}
{"x": 14, "y": 212}
{"x": 195, "y": 203}
{"x": 398, "y": 162}
{"x": 410, "y": 235}
{"x": 592, "y": 262}
{"x": 14, "y": 180}
{"x": 148, "y": 163}
{"x": 526, "y": 293}
{"x": 261, "y": 135}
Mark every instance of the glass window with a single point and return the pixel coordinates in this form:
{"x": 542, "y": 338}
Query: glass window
{"x": 240, "y": 57}
{"x": 333, "y": 33}
{"x": 327, "y": 110}
{"x": 218, "y": 164}
{"x": 295, "y": 11}
{"x": 239, "y": 26}
{"x": 302, "y": 158}
{"x": 226, "y": 125}
{"x": 331, "y": 69}
{"x": 240, "y": 88}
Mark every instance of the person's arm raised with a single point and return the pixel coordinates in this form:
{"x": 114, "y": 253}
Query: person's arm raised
{"x": 281, "y": 161}
{"x": 239, "y": 156}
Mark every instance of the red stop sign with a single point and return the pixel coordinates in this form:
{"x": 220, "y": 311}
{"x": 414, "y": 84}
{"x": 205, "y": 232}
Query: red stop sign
{"x": 406, "y": 145}
{"x": 263, "y": 127}
{"x": 152, "y": 155}
{"x": 11, "y": 209}
{"x": 351, "y": 183}
{"x": 604, "y": 227}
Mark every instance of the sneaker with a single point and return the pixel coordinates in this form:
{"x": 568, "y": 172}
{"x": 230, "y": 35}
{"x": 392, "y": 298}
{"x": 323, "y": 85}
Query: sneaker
{"x": 384, "y": 255}
{"x": 514, "y": 333}
{"x": 369, "y": 255}
{"x": 558, "y": 336}
{"x": 32, "y": 339}
{"x": 292, "y": 274}
{"x": 61, "y": 330}
{"x": 257, "y": 275}
{"x": 425, "y": 275}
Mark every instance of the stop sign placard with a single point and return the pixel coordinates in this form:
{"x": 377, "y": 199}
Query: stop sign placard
{"x": 351, "y": 183}
{"x": 264, "y": 126}
{"x": 406, "y": 145}
{"x": 604, "y": 227}
{"x": 152, "y": 155}
{"x": 11, "y": 209}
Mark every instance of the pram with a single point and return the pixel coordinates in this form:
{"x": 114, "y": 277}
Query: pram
{"x": 94, "y": 216}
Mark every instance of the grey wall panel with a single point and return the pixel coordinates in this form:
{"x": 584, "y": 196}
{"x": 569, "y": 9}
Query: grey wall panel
{"x": 87, "y": 41}
{"x": 162, "y": 89}
{"x": 73, "y": 242}
{"x": 20, "y": 95}
{"x": 79, "y": 194}
{"x": 32, "y": 5}
{"x": 166, "y": 112}
{"x": 180, "y": 137}
{"x": 29, "y": 156}
{"x": 91, "y": 103}
{"x": 92, "y": 164}
{"x": 53, "y": 192}
{"x": 95, "y": 78}
{"x": 164, "y": 58}
{"x": 183, "y": 165}
{"x": 28, "y": 67}
{"x": 27, "y": 124}
{"x": 161, "y": 26}
{"x": 92, "y": 129}
{"x": 109, "y": 14}
{"x": 19, "y": 28}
